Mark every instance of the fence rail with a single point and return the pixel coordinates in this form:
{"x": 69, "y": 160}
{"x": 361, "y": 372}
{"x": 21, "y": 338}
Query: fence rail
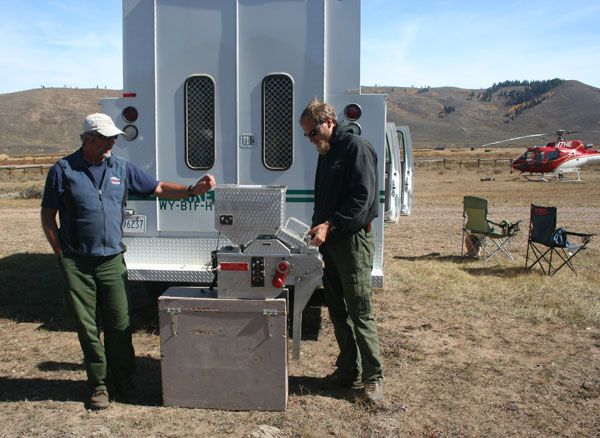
{"x": 463, "y": 161}
{"x": 12, "y": 168}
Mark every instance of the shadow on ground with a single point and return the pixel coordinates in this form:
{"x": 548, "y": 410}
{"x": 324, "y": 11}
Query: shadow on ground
{"x": 436, "y": 256}
{"x": 498, "y": 271}
{"x": 76, "y": 389}
{"x": 491, "y": 270}
{"x": 304, "y": 385}
{"x": 33, "y": 292}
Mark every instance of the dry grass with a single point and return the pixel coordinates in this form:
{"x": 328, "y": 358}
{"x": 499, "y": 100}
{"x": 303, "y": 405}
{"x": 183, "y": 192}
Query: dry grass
{"x": 470, "y": 348}
{"x": 469, "y": 153}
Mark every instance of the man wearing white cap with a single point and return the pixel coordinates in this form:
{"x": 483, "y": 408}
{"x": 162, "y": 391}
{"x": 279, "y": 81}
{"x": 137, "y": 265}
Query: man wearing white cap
{"x": 88, "y": 190}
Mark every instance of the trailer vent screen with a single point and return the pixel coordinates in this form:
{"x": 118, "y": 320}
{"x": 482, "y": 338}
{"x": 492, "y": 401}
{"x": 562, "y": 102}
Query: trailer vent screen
{"x": 200, "y": 122}
{"x": 278, "y": 121}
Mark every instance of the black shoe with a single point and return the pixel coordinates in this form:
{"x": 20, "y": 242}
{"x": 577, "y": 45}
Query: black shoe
{"x": 339, "y": 379}
{"x": 99, "y": 398}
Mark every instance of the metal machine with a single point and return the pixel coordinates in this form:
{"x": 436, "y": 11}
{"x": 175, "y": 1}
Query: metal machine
{"x": 225, "y": 347}
{"x": 269, "y": 256}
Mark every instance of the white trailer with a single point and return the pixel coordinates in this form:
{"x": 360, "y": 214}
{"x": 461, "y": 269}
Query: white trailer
{"x": 218, "y": 86}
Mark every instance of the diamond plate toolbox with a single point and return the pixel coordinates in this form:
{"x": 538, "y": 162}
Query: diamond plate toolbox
{"x": 243, "y": 212}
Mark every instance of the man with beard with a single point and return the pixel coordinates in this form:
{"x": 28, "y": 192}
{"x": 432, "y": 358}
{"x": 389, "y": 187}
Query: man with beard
{"x": 88, "y": 190}
{"x": 346, "y": 201}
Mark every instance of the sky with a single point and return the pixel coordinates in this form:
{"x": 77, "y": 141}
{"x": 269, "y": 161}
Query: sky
{"x": 461, "y": 43}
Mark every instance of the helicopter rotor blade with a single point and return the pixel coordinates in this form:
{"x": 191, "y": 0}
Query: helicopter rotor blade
{"x": 576, "y": 131}
{"x": 512, "y": 139}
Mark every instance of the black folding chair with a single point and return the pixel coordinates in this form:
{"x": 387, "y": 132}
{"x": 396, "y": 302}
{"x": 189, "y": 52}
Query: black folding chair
{"x": 546, "y": 242}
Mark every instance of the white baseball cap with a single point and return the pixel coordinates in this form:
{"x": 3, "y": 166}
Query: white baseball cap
{"x": 102, "y": 124}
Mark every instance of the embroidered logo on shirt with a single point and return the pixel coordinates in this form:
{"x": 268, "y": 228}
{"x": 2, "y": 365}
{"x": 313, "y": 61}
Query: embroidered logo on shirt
{"x": 337, "y": 164}
{"x": 114, "y": 180}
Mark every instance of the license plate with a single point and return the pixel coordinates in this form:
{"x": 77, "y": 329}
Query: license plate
{"x": 135, "y": 224}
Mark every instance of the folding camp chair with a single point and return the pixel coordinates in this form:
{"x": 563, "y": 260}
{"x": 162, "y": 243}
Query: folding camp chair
{"x": 545, "y": 241}
{"x": 479, "y": 229}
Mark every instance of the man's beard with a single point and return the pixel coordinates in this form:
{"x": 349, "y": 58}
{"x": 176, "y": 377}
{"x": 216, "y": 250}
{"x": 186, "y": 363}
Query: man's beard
{"x": 323, "y": 147}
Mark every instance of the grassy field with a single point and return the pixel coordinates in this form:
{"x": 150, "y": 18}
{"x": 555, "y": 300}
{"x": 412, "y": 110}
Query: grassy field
{"x": 470, "y": 348}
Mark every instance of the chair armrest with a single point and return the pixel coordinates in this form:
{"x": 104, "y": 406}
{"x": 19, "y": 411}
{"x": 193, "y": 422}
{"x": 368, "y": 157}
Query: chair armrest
{"x": 573, "y": 233}
{"x": 585, "y": 237}
{"x": 508, "y": 228}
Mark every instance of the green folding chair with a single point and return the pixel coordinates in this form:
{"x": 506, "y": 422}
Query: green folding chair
{"x": 481, "y": 231}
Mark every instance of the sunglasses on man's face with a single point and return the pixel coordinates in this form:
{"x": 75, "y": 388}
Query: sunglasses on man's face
{"x": 314, "y": 131}
{"x": 103, "y": 137}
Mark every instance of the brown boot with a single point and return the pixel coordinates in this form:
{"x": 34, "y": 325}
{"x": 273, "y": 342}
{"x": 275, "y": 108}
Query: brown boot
{"x": 99, "y": 398}
{"x": 372, "y": 393}
{"x": 338, "y": 379}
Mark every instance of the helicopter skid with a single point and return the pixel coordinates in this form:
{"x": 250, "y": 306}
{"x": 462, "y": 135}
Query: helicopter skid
{"x": 534, "y": 177}
{"x": 554, "y": 176}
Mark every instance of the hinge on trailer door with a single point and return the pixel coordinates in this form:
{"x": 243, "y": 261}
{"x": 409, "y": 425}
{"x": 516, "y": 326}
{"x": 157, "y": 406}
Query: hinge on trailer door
{"x": 172, "y": 311}
{"x": 270, "y": 314}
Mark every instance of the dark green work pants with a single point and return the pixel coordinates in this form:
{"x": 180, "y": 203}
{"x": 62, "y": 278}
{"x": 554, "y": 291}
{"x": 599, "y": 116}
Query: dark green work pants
{"x": 96, "y": 288}
{"x": 348, "y": 288}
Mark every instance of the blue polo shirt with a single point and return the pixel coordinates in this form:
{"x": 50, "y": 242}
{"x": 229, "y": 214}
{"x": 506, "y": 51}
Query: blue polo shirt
{"x": 91, "y": 200}
{"x": 139, "y": 182}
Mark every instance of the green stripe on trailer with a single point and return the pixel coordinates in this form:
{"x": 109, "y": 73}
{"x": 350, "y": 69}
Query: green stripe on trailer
{"x": 288, "y": 199}
{"x": 300, "y": 192}
{"x": 291, "y": 196}
{"x": 294, "y": 195}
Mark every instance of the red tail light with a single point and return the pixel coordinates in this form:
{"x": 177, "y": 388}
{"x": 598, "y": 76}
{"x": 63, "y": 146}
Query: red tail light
{"x": 353, "y": 112}
{"x": 130, "y": 114}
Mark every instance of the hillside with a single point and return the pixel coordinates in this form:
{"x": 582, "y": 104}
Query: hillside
{"x": 571, "y": 106}
{"x": 48, "y": 120}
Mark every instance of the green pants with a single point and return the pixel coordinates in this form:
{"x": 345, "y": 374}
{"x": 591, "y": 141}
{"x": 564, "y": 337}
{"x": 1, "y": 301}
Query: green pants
{"x": 96, "y": 288}
{"x": 348, "y": 288}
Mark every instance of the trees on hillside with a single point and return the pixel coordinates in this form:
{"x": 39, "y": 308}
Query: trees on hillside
{"x": 529, "y": 91}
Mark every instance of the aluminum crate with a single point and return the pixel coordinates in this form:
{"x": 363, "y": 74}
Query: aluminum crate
{"x": 222, "y": 353}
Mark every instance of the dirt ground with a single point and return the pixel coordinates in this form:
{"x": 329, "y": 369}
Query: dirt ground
{"x": 470, "y": 348}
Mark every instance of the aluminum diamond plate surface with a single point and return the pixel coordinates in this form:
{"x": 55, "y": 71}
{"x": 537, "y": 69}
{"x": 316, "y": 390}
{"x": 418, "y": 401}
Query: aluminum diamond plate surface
{"x": 177, "y": 260}
{"x": 168, "y": 274}
{"x": 173, "y": 250}
{"x": 244, "y": 212}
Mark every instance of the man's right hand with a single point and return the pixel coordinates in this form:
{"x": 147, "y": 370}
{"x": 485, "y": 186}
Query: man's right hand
{"x": 319, "y": 233}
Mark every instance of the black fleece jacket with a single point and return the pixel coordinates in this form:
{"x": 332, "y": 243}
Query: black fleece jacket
{"x": 346, "y": 184}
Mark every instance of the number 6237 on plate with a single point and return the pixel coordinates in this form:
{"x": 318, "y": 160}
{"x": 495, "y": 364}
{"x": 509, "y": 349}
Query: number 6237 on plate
{"x": 135, "y": 224}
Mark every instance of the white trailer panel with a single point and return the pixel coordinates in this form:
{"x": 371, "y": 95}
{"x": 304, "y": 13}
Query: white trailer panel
{"x": 219, "y": 86}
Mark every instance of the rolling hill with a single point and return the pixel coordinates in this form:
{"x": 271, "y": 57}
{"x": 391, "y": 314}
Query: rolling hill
{"x": 572, "y": 106}
{"x": 48, "y": 120}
